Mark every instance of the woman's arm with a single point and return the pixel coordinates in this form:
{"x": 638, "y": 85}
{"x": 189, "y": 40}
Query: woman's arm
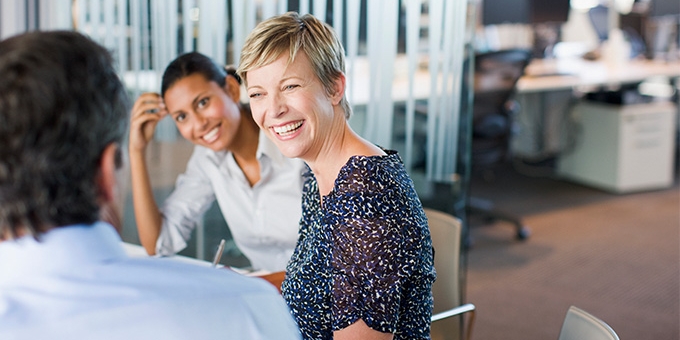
{"x": 366, "y": 252}
{"x": 359, "y": 330}
{"x": 371, "y": 261}
{"x": 147, "y": 111}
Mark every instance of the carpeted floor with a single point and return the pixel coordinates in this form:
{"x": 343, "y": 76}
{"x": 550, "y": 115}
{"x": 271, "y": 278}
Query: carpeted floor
{"x": 615, "y": 256}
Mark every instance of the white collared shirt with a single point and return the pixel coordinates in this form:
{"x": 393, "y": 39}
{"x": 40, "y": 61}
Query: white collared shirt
{"x": 78, "y": 283}
{"x": 263, "y": 219}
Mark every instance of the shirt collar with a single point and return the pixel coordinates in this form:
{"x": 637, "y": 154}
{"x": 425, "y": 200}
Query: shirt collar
{"x": 59, "y": 248}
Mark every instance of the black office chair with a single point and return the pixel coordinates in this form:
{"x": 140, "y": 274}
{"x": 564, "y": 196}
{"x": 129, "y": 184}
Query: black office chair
{"x": 496, "y": 76}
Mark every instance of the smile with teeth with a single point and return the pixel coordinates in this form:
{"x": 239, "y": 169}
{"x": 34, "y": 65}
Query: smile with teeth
{"x": 287, "y": 129}
{"x": 211, "y": 135}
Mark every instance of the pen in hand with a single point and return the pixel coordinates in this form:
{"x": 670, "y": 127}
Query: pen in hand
{"x": 218, "y": 254}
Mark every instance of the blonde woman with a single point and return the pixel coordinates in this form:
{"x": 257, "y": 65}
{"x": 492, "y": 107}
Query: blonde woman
{"x": 363, "y": 265}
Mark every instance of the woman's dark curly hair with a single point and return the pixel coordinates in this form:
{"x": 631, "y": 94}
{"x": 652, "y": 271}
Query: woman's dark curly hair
{"x": 61, "y": 105}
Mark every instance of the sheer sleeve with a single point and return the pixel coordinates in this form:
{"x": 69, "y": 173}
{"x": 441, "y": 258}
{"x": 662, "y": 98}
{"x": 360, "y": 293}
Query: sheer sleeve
{"x": 373, "y": 254}
{"x": 364, "y": 254}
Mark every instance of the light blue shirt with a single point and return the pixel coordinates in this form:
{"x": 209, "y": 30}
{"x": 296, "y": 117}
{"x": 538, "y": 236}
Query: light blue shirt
{"x": 78, "y": 283}
{"x": 263, "y": 219}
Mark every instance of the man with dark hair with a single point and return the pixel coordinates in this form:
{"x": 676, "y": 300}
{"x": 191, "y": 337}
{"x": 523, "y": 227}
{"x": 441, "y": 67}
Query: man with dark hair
{"x": 63, "y": 271}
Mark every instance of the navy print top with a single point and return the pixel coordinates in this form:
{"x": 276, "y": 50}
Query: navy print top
{"x": 367, "y": 254}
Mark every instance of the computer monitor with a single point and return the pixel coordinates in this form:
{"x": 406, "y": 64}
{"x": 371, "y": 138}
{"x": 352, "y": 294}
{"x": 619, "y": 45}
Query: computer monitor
{"x": 544, "y": 15}
{"x": 548, "y": 11}
{"x": 496, "y": 12}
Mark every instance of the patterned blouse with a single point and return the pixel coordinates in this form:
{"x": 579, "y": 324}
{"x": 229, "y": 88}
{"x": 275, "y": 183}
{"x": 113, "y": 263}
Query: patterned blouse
{"x": 367, "y": 254}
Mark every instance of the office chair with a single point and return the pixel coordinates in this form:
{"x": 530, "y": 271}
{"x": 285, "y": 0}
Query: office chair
{"x": 495, "y": 76}
{"x": 581, "y": 325}
{"x": 445, "y": 230}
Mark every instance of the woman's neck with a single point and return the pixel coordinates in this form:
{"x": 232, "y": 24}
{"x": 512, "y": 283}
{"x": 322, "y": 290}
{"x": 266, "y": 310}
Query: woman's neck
{"x": 245, "y": 143}
{"x": 328, "y": 163}
{"x": 244, "y": 148}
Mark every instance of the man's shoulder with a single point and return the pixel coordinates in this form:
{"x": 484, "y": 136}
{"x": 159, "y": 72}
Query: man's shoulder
{"x": 241, "y": 304}
{"x": 135, "y": 298}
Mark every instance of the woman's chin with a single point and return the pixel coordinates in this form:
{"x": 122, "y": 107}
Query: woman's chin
{"x": 217, "y": 145}
{"x": 290, "y": 151}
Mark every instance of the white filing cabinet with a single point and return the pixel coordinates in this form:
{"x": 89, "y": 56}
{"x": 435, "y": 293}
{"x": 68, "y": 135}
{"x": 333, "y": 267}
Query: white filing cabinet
{"x": 622, "y": 148}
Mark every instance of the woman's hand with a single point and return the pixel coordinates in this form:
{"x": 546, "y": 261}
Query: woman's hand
{"x": 147, "y": 111}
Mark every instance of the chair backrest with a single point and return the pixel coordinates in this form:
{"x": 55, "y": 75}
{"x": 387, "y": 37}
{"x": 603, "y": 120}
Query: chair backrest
{"x": 581, "y": 325}
{"x": 496, "y": 76}
{"x": 445, "y": 230}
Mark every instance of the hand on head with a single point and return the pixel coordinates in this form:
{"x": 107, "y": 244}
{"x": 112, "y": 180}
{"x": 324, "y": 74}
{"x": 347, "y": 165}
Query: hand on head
{"x": 147, "y": 111}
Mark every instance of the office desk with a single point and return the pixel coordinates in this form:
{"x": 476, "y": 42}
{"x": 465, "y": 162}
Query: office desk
{"x": 564, "y": 74}
{"x": 545, "y": 95}
{"x": 542, "y": 75}
{"x": 622, "y": 148}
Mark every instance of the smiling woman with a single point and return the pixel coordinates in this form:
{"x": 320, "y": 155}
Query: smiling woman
{"x": 258, "y": 189}
{"x": 363, "y": 265}
{"x": 206, "y": 114}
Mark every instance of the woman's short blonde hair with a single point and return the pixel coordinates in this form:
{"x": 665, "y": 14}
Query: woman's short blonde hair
{"x": 293, "y": 33}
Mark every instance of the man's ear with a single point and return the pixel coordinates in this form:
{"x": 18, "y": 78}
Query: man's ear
{"x": 109, "y": 163}
{"x": 233, "y": 88}
{"x": 108, "y": 186}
